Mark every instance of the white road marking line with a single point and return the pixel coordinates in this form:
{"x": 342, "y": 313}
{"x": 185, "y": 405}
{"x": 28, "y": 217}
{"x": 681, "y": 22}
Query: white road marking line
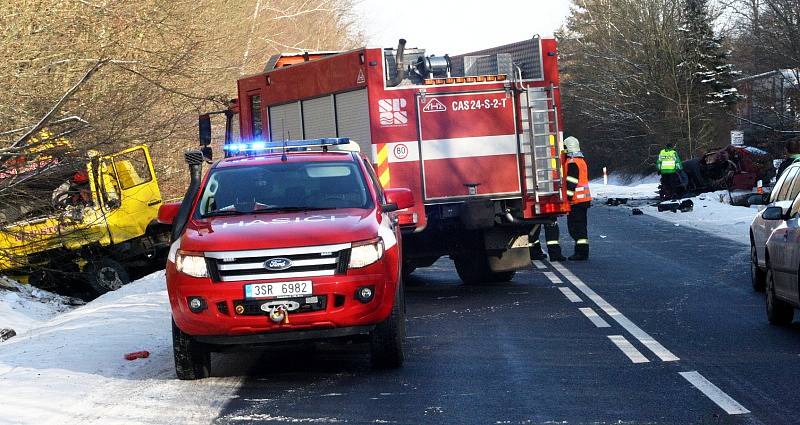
{"x": 724, "y": 401}
{"x": 628, "y": 349}
{"x": 570, "y": 295}
{"x": 594, "y": 317}
{"x": 552, "y": 276}
{"x": 637, "y": 332}
{"x": 539, "y": 265}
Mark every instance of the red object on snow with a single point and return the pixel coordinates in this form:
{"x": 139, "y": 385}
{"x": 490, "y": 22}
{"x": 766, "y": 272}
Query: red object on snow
{"x": 137, "y": 355}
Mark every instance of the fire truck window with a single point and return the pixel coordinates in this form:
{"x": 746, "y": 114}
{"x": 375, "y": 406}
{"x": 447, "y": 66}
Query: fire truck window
{"x": 132, "y": 168}
{"x": 285, "y": 186}
{"x": 257, "y": 128}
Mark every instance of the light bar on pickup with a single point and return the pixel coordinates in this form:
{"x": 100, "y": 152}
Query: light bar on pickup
{"x": 289, "y": 145}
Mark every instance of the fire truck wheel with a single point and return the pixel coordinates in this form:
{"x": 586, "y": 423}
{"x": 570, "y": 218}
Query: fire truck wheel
{"x": 475, "y": 271}
{"x": 105, "y": 275}
{"x": 192, "y": 359}
{"x": 386, "y": 340}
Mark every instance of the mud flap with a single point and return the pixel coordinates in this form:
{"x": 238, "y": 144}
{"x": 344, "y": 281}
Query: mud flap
{"x": 507, "y": 250}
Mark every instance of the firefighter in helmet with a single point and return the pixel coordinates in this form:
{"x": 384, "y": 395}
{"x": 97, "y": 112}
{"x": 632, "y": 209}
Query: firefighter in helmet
{"x": 579, "y": 198}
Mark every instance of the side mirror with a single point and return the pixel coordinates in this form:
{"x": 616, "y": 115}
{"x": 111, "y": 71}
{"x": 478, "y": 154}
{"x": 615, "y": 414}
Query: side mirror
{"x": 167, "y": 212}
{"x": 398, "y": 199}
{"x": 774, "y": 213}
{"x": 204, "y": 124}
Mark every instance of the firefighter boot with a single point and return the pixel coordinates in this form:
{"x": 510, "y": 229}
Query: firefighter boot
{"x": 581, "y": 252}
{"x": 536, "y": 251}
{"x": 554, "y": 251}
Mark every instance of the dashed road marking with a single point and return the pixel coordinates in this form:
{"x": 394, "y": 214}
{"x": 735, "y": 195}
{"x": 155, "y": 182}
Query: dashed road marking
{"x": 628, "y": 349}
{"x": 724, "y": 401}
{"x": 572, "y": 296}
{"x": 539, "y": 264}
{"x": 637, "y": 332}
{"x": 594, "y": 317}
{"x": 552, "y": 276}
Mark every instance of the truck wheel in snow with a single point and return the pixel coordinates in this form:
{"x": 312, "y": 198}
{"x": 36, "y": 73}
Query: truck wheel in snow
{"x": 192, "y": 359}
{"x": 386, "y": 340}
{"x": 778, "y": 312}
{"x": 474, "y": 270}
{"x": 757, "y": 276}
{"x": 105, "y": 275}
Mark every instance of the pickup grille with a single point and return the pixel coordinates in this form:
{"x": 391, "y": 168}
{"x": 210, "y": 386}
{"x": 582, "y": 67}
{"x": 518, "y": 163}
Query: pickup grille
{"x": 303, "y": 262}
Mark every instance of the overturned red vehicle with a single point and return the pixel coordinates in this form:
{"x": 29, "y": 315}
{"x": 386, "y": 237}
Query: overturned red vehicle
{"x": 278, "y": 245}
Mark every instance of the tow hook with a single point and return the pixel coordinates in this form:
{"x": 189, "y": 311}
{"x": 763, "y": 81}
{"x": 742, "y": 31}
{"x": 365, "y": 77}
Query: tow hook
{"x": 279, "y": 314}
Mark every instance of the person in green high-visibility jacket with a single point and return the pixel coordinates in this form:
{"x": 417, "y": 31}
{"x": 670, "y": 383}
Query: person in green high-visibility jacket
{"x": 670, "y": 166}
{"x": 669, "y": 162}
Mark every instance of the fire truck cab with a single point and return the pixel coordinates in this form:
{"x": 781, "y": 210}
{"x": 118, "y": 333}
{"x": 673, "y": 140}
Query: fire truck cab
{"x": 476, "y": 137}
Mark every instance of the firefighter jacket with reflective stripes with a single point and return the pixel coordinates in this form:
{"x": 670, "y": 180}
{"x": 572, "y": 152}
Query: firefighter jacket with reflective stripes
{"x": 668, "y": 162}
{"x": 577, "y": 180}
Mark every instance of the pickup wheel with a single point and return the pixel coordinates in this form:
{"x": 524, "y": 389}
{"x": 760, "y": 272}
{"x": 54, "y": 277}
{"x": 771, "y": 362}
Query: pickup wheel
{"x": 104, "y": 275}
{"x": 758, "y": 277}
{"x": 779, "y": 312}
{"x": 386, "y": 340}
{"x": 192, "y": 359}
{"x": 475, "y": 270}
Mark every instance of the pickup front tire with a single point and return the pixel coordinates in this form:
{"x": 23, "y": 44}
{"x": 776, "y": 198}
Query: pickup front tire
{"x": 192, "y": 359}
{"x": 386, "y": 340}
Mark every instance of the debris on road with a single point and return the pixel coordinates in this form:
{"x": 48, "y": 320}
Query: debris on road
{"x": 6, "y": 334}
{"x": 137, "y": 355}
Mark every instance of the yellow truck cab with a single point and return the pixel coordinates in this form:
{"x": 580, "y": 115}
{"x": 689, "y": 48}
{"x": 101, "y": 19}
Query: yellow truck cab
{"x": 101, "y": 224}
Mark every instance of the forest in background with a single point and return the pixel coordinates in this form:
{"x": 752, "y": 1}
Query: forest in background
{"x": 637, "y": 74}
{"x": 107, "y": 74}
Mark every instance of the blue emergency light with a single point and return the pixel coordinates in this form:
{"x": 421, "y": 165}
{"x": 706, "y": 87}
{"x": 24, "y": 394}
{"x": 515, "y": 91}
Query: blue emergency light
{"x": 288, "y": 145}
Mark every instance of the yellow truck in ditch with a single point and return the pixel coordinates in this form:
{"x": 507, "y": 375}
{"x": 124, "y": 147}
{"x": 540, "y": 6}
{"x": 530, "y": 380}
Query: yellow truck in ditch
{"x": 99, "y": 225}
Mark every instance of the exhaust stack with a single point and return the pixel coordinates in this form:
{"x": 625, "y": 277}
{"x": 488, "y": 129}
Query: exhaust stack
{"x": 401, "y": 67}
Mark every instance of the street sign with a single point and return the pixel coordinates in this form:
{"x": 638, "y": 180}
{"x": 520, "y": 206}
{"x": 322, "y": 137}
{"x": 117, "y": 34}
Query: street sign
{"x": 737, "y": 138}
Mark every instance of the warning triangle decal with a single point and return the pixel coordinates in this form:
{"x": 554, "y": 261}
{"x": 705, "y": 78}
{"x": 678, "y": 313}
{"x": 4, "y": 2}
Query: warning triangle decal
{"x": 434, "y": 106}
{"x": 360, "y": 79}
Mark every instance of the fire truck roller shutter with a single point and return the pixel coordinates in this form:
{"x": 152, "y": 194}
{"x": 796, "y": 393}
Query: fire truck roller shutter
{"x": 285, "y": 122}
{"x": 352, "y": 115}
{"x": 319, "y": 119}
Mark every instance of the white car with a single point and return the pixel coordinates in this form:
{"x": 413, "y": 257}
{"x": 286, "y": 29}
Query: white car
{"x": 783, "y": 194}
{"x": 782, "y": 256}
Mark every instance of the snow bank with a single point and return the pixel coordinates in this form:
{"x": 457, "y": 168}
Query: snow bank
{"x": 23, "y": 307}
{"x": 70, "y": 369}
{"x": 712, "y": 211}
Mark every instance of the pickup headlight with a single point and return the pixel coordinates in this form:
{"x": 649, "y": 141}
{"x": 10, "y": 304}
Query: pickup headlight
{"x": 365, "y": 253}
{"x": 191, "y": 263}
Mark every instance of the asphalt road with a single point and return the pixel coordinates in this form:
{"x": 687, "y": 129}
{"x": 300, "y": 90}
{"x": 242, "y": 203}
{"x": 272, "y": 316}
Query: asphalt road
{"x": 663, "y": 328}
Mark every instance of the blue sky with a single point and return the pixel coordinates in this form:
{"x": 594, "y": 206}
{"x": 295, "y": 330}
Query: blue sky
{"x": 453, "y": 26}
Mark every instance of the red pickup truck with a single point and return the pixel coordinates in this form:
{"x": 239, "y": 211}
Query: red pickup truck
{"x": 283, "y": 242}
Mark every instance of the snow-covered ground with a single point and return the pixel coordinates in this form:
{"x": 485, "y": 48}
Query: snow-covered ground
{"x": 70, "y": 368}
{"x": 23, "y": 307}
{"x": 712, "y": 211}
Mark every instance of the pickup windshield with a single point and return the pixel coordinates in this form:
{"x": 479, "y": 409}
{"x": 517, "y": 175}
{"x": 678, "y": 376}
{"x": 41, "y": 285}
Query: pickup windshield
{"x": 284, "y": 187}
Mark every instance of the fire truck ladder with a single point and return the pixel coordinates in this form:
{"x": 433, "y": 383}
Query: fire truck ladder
{"x": 541, "y": 144}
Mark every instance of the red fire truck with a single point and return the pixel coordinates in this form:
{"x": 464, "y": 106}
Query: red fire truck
{"x": 476, "y": 137}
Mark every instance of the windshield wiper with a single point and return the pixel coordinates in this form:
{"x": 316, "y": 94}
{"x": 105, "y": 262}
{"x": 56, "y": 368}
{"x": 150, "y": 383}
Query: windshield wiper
{"x": 291, "y": 209}
{"x": 223, "y": 212}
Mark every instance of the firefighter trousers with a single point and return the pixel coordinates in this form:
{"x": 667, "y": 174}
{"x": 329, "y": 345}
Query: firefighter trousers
{"x": 551, "y": 235}
{"x": 576, "y": 223}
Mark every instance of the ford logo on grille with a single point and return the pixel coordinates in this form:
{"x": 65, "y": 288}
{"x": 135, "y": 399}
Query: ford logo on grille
{"x": 278, "y": 264}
